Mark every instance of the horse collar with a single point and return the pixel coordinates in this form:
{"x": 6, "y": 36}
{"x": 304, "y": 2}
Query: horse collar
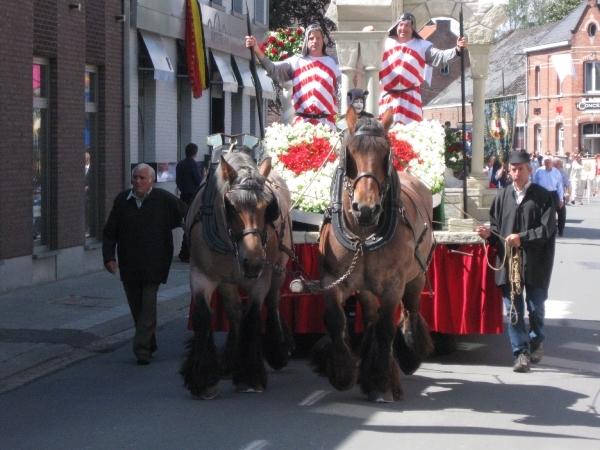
{"x": 335, "y": 214}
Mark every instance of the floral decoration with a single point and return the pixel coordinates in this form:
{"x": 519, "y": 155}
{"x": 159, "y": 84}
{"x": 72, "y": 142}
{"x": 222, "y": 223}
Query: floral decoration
{"x": 283, "y": 43}
{"x": 427, "y": 140}
{"x": 305, "y": 155}
{"x": 297, "y": 153}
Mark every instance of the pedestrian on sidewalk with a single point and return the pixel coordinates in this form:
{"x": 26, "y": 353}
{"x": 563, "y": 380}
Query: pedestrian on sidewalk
{"x": 139, "y": 228}
{"x": 549, "y": 177}
{"x": 188, "y": 179}
{"x": 577, "y": 184}
{"x": 524, "y": 217}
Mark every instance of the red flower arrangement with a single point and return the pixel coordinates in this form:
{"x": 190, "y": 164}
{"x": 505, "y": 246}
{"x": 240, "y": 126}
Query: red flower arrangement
{"x": 308, "y": 156}
{"x": 282, "y": 44}
{"x": 403, "y": 152}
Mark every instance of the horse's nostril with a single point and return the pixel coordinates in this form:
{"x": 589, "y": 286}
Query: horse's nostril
{"x": 355, "y": 208}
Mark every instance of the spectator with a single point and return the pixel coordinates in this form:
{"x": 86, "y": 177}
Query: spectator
{"x": 188, "y": 179}
{"x": 405, "y": 56}
{"x": 139, "y": 228}
{"x": 562, "y": 212}
{"x": 316, "y": 101}
{"x": 550, "y": 178}
{"x": 577, "y": 184}
{"x": 523, "y": 217}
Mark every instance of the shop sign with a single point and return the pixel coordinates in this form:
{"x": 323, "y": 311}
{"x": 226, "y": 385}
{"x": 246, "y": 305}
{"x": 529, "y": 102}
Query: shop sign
{"x": 588, "y": 103}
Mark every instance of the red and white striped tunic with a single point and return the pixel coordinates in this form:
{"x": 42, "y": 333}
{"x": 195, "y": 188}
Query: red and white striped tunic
{"x": 314, "y": 88}
{"x": 403, "y": 67}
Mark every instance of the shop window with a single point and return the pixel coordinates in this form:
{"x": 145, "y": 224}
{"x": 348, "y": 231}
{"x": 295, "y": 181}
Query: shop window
{"x": 41, "y": 136}
{"x": 91, "y": 151}
{"x": 592, "y": 76}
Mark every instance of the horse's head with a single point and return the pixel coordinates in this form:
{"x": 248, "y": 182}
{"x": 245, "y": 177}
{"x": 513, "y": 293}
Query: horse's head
{"x": 366, "y": 158}
{"x": 250, "y": 207}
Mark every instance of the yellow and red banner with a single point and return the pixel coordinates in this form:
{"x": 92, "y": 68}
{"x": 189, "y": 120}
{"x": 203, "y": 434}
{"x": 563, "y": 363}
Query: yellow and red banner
{"x": 195, "y": 51}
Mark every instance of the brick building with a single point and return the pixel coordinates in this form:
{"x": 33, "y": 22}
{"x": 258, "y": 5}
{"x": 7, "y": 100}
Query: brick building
{"x": 552, "y": 116}
{"x": 66, "y": 58}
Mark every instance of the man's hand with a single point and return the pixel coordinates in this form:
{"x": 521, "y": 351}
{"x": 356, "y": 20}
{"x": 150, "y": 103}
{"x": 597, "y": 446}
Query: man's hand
{"x": 461, "y": 43}
{"x": 561, "y": 204}
{"x": 111, "y": 266}
{"x": 514, "y": 240}
{"x": 484, "y": 232}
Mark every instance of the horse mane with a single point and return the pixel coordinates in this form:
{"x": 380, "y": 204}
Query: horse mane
{"x": 248, "y": 177}
{"x": 368, "y": 125}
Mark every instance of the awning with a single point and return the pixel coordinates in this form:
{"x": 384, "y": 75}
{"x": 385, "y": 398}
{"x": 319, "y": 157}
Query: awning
{"x": 268, "y": 90}
{"x": 163, "y": 69}
{"x": 244, "y": 69}
{"x": 230, "y": 84}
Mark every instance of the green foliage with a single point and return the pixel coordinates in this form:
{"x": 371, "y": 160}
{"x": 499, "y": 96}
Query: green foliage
{"x": 292, "y": 13}
{"x": 559, "y": 9}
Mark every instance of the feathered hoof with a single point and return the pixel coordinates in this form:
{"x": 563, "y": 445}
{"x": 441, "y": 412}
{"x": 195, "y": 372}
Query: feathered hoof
{"x": 335, "y": 362}
{"x": 246, "y": 389}
{"x": 380, "y": 397}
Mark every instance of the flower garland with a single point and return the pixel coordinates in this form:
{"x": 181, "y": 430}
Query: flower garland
{"x": 427, "y": 139}
{"x": 453, "y": 150}
{"x": 283, "y": 43}
{"x": 298, "y": 152}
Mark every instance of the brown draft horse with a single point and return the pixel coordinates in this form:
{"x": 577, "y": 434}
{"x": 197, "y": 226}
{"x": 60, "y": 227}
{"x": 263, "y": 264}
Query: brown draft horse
{"x": 246, "y": 213}
{"x": 379, "y": 222}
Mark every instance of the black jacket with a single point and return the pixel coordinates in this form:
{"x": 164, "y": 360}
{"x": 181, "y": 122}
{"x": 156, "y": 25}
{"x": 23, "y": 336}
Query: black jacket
{"x": 187, "y": 176}
{"x": 535, "y": 222}
{"x": 143, "y": 237}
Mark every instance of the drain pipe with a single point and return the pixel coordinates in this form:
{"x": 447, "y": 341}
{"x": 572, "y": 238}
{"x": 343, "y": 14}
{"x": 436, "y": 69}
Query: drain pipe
{"x": 126, "y": 96}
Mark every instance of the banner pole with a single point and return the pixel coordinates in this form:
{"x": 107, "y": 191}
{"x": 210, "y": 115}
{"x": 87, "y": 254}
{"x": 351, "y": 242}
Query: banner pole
{"x": 464, "y": 116}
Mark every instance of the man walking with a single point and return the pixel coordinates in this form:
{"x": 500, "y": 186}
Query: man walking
{"x": 524, "y": 217}
{"x": 139, "y": 228}
{"x": 549, "y": 177}
{"x": 562, "y": 212}
{"x": 188, "y": 179}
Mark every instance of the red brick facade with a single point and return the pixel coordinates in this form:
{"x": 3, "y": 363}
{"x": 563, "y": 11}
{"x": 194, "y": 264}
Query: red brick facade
{"x": 68, "y": 39}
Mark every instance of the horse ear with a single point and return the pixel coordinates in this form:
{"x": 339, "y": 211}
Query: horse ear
{"x": 388, "y": 119}
{"x": 265, "y": 167}
{"x": 351, "y": 118}
{"x": 228, "y": 173}
{"x": 273, "y": 210}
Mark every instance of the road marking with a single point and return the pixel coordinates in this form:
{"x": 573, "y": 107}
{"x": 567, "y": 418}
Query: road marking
{"x": 582, "y": 346}
{"x": 256, "y": 445}
{"x": 313, "y": 398}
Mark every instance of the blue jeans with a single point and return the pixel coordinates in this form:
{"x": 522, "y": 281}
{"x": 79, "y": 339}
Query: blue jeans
{"x": 519, "y": 337}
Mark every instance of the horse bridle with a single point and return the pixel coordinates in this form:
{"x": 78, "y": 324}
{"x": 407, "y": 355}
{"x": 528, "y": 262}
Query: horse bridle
{"x": 382, "y": 187}
{"x": 236, "y": 237}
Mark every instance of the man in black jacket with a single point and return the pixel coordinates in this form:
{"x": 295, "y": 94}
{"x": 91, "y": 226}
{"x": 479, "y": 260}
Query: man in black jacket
{"x": 188, "y": 179}
{"x": 139, "y": 228}
{"x": 523, "y": 220}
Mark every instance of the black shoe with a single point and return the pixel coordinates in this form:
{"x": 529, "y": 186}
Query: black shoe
{"x": 560, "y": 234}
{"x": 537, "y": 352}
{"x": 143, "y": 360}
{"x": 522, "y": 363}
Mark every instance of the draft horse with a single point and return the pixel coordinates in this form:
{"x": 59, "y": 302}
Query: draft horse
{"x": 376, "y": 243}
{"x": 237, "y": 232}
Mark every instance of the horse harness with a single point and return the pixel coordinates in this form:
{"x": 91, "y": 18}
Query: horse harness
{"x": 393, "y": 209}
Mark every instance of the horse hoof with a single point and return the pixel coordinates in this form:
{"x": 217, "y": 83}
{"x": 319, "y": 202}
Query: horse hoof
{"x": 246, "y": 389}
{"x": 381, "y": 397}
{"x": 211, "y": 392}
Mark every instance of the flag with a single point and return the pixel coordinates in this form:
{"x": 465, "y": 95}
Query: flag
{"x": 194, "y": 48}
{"x": 500, "y": 116}
{"x": 563, "y": 64}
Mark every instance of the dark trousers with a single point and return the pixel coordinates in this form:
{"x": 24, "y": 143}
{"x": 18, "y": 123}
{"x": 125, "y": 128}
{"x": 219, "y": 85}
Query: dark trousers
{"x": 141, "y": 297}
{"x": 562, "y": 219}
{"x": 535, "y": 300}
{"x": 184, "y": 253}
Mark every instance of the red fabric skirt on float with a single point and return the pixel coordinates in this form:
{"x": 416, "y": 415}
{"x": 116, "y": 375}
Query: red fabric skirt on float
{"x": 465, "y": 297}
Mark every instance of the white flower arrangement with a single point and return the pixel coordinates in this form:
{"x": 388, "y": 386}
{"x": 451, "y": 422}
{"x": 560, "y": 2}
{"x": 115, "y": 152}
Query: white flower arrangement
{"x": 311, "y": 189}
{"x": 427, "y": 139}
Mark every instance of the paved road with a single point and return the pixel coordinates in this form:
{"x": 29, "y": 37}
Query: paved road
{"x": 98, "y": 398}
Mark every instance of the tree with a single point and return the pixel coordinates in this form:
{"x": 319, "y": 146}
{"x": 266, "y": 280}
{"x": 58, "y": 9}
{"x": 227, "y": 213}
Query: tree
{"x": 289, "y": 13}
{"x": 559, "y": 9}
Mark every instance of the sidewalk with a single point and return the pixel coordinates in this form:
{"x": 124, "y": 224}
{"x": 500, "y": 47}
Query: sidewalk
{"x": 48, "y": 327}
